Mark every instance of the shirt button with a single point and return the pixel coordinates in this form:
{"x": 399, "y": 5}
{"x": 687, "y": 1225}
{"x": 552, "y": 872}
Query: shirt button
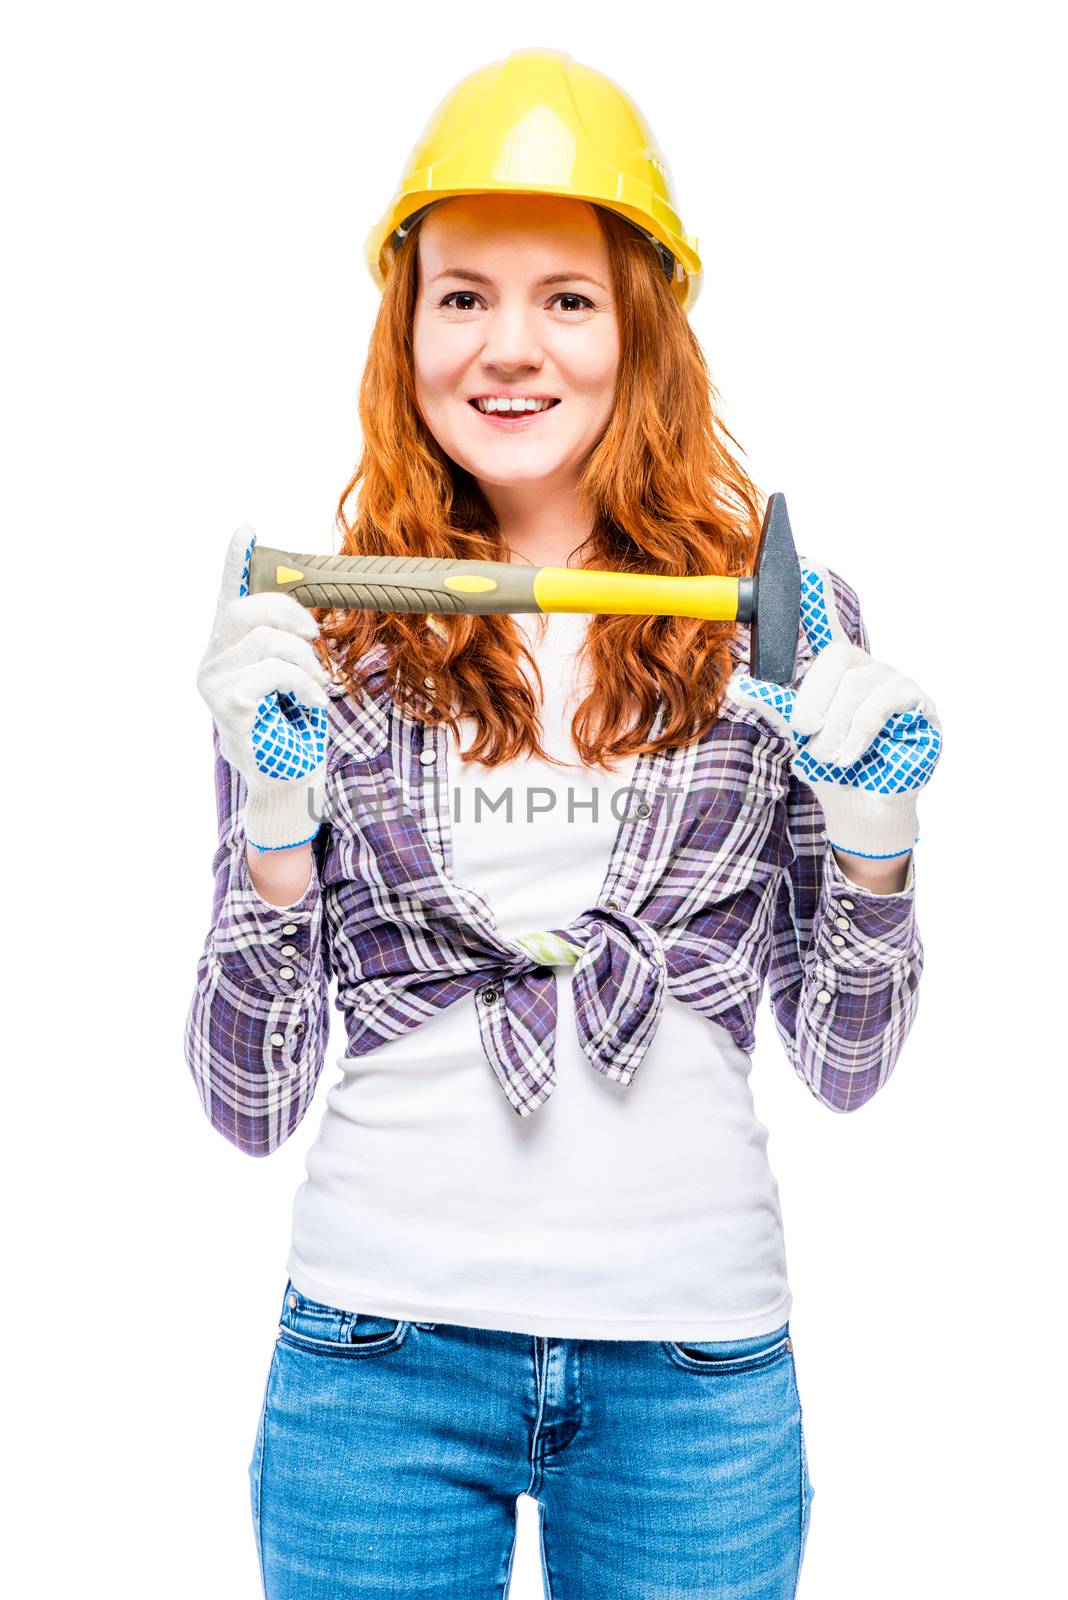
{"x": 292, "y": 1302}
{"x": 285, "y": 972}
{"x": 847, "y": 905}
{"x": 841, "y": 922}
{"x": 836, "y": 938}
{"x": 278, "y": 1038}
{"x": 290, "y": 927}
{"x": 823, "y": 995}
{"x": 289, "y": 950}
{"x": 437, "y": 858}
{"x": 428, "y": 757}
{"x": 642, "y": 809}
{"x": 489, "y": 994}
{"x": 613, "y": 905}
{"x": 428, "y": 683}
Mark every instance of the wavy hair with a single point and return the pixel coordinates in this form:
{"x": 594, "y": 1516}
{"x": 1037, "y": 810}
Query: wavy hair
{"x": 667, "y": 496}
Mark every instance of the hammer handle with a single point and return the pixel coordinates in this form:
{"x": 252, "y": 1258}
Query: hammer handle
{"x": 431, "y": 584}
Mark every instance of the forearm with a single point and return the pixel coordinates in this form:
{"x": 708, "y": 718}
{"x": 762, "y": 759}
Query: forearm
{"x": 255, "y": 1043}
{"x": 881, "y": 877}
{"x": 846, "y": 962}
{"x": 258, "y": 1024}
{"x": 281, "y": 877}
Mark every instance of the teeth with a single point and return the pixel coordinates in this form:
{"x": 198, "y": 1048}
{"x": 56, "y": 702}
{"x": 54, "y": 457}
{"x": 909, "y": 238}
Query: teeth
{"x": 519, "y": 404}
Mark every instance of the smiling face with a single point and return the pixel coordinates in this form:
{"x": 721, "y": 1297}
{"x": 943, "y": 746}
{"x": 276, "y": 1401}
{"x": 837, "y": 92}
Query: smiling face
{"x": 489, "y": 325}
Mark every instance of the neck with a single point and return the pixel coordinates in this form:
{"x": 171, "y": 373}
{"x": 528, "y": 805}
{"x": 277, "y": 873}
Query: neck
{"x": 540, "y": 526}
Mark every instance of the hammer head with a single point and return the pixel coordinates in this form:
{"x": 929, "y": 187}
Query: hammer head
{"x": 776, "y": 598}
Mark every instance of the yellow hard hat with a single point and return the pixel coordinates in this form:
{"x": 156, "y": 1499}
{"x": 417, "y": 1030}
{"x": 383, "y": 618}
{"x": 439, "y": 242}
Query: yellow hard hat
{"x": 539, "y": 123}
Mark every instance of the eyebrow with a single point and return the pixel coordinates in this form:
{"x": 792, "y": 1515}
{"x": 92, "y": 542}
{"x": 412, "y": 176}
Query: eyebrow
{"x": 552, "y": 277}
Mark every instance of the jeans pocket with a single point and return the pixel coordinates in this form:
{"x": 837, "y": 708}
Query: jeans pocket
{"x": 318, "y": 1329}
{"x": 724, "y": 1357}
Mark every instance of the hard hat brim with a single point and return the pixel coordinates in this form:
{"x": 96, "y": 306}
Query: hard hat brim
{"x": 386, "y": 237}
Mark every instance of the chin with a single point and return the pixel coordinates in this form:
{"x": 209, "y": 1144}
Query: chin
{"x": 508, "y": 468}
{"x": 516, "y": 480}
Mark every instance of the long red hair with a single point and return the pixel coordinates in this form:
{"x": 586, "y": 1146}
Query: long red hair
{"x": 667, "y": 496}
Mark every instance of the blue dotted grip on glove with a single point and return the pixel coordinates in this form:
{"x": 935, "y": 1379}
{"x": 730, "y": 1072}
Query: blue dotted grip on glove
{"x": 903, "y": 753}
{"x": 288, "y": 737}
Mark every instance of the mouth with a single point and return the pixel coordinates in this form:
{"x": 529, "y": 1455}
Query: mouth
{"x": 512, "y": 421}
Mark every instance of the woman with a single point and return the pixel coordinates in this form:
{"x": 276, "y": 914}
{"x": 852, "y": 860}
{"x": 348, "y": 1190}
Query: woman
{"x": 525, "y": 847}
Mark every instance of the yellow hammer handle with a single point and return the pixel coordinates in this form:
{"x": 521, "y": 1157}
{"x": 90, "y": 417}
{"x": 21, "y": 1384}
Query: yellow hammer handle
{"x": 716, "y": 599}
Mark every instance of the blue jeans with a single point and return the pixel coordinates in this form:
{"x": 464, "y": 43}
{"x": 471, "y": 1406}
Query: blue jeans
{"x": 389, "y": 1456}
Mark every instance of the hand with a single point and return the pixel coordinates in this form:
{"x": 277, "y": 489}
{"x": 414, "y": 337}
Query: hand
{"x": 265, "y": 688}
{"x": 866, "y": 738}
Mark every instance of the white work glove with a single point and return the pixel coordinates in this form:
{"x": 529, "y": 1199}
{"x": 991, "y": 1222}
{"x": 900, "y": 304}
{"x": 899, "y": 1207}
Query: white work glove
{"x": 265, "y": 688}
{"x": 866, "y": 737}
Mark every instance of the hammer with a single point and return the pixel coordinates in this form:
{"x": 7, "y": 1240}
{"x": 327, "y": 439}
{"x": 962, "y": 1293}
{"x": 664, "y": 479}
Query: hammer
{"x": 770, "y": 601}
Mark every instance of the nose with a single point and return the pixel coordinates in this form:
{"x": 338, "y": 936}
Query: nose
{"x": 512, "y": 342}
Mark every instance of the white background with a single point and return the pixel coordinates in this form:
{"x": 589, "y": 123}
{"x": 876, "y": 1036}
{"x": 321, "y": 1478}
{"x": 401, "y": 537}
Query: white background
{"x": 186, "y": 196}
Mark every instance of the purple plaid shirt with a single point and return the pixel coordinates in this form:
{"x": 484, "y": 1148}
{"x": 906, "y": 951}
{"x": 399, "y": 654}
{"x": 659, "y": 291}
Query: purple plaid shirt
{"x": 720, "y": 876}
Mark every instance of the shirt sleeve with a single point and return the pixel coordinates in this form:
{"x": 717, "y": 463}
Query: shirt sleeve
{"x": 258, "y": 1026}
{"x": 845, "y": 962}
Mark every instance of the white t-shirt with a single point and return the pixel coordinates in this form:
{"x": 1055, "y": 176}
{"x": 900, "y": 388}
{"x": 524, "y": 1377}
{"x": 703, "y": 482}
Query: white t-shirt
{"x": 614, "y": 1211}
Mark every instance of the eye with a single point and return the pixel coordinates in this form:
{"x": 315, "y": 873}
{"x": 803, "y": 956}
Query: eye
{"x": 469, "y": 294}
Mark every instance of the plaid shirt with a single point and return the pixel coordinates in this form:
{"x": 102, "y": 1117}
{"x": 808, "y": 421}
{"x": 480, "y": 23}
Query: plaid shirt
{"x": 720, "y": 876}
